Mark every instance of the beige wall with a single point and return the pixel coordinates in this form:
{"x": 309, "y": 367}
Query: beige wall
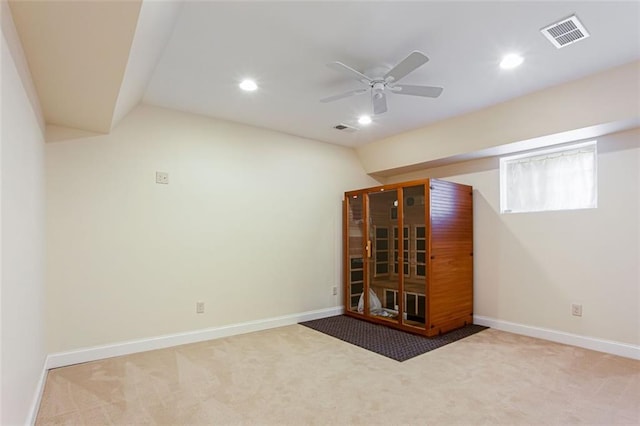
{"x": 250, "y": 224}
{"x": 592, "y": 106}
{"x": 530, "y": 267}
{"x": 21, "y": 234}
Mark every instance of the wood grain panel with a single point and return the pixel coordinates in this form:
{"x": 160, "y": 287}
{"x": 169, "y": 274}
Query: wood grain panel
{"x": 450, "y": 286}
{"x": 448, "y": 219}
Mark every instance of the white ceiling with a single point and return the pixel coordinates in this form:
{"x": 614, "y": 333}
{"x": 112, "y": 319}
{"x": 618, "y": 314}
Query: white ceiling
{"x": 191, "y": 56}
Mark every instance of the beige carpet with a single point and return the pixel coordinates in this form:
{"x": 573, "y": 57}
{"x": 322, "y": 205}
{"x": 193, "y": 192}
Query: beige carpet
{"x": 295, "y": 375}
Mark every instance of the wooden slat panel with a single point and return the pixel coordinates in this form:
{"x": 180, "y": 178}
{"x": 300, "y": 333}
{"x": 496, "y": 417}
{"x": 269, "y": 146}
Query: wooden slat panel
{"x": 451, "y": 289}
{"x": 451, "y": 259}
{"x": 449, "y": 250}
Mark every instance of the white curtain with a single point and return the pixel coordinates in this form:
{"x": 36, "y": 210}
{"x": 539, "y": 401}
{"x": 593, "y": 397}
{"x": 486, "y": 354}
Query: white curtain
{"x": 555, "y": 181}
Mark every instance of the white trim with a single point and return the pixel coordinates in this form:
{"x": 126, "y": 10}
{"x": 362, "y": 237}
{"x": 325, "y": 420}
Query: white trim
{"x": 608, "y": 346}
{"x": 35, "y": 404}
{"x": 63, "y": 359}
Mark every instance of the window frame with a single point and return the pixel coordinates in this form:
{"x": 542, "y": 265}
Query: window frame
{"x": 542, "y": 152}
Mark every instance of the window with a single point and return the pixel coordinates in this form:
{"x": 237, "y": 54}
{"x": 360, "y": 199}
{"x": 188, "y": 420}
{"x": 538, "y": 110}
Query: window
{"x": 553, "y": 179}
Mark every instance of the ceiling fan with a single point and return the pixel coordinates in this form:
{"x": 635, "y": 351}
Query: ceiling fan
{"x": 380, "y": 84}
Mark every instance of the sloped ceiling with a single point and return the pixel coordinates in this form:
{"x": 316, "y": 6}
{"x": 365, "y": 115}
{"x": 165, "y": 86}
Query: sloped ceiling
{"x": 92, "y": 61}
{"x": 77, "y": 53}
{"x": 155, "y": 25}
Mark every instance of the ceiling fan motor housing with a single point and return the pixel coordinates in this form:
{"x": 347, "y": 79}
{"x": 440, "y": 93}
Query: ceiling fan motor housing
{"x": 383, "y": 79}
{"x": 378, "y": 86}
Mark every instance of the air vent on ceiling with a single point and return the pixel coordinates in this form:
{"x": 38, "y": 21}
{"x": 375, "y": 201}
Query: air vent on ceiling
{"x": 565, "y": 32}
{"x": 345, "y": 128}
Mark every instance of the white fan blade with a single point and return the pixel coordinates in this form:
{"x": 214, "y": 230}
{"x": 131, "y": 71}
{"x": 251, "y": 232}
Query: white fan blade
{"x": 379, "y": 101}
{"x": 344, "y": 95}
{"x": 407, "y": 65}
{"x": 345, "y": 69}
{"x": 408, "y": 89}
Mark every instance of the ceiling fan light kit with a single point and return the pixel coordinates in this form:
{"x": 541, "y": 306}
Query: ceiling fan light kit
{"x": 380, "y": 85}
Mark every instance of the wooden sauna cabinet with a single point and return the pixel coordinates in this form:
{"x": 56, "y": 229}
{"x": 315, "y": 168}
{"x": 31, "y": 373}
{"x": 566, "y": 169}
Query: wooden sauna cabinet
{"x": 408, "y": 255}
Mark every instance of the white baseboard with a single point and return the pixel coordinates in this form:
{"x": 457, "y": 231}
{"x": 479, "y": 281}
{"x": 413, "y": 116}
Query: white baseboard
{"x": 63, "y": 359}
{"x": 600, "y": 345}
{"x": 35, "y": 404}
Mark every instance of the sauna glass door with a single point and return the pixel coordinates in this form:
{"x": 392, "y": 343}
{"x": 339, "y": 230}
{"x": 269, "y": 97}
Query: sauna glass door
{"x": 415, "y": 246}
{"x": 383, "y": 282}
{"x": 355, "y": 246}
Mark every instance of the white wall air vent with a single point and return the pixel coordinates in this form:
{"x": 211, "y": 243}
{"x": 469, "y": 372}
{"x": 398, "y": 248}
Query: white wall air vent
{"x": 565, "y": 32}
{"x": 345, "y": 128}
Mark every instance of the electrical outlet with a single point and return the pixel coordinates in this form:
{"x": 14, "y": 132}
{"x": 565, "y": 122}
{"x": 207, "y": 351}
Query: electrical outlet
{"x": 335, "y": 290}
{"x": 576, "y": 310}
{"x": 199, "y": 307}
{"x": 162, "y": 177}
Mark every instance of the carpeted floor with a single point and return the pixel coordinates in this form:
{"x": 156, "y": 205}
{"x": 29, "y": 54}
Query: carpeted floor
{"x": 386, "y": 341}
{"x": 296, "y": 376}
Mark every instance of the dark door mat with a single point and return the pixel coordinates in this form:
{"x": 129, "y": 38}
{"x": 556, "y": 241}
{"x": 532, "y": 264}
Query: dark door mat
{"x": 386, "y": 341}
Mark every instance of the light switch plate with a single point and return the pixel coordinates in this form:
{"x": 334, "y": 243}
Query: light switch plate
{"x": 162, "y": 177}
{"x": 576, "y": 310}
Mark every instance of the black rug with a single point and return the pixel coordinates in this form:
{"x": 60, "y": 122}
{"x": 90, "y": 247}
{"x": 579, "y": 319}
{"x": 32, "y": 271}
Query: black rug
{"x": 386, "y": 341}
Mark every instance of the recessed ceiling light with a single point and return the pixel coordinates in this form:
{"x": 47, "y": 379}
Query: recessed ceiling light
{"x": 364, "y": 120}
{"x": 511, "y": 61}
{"x": 248, "y": 85}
